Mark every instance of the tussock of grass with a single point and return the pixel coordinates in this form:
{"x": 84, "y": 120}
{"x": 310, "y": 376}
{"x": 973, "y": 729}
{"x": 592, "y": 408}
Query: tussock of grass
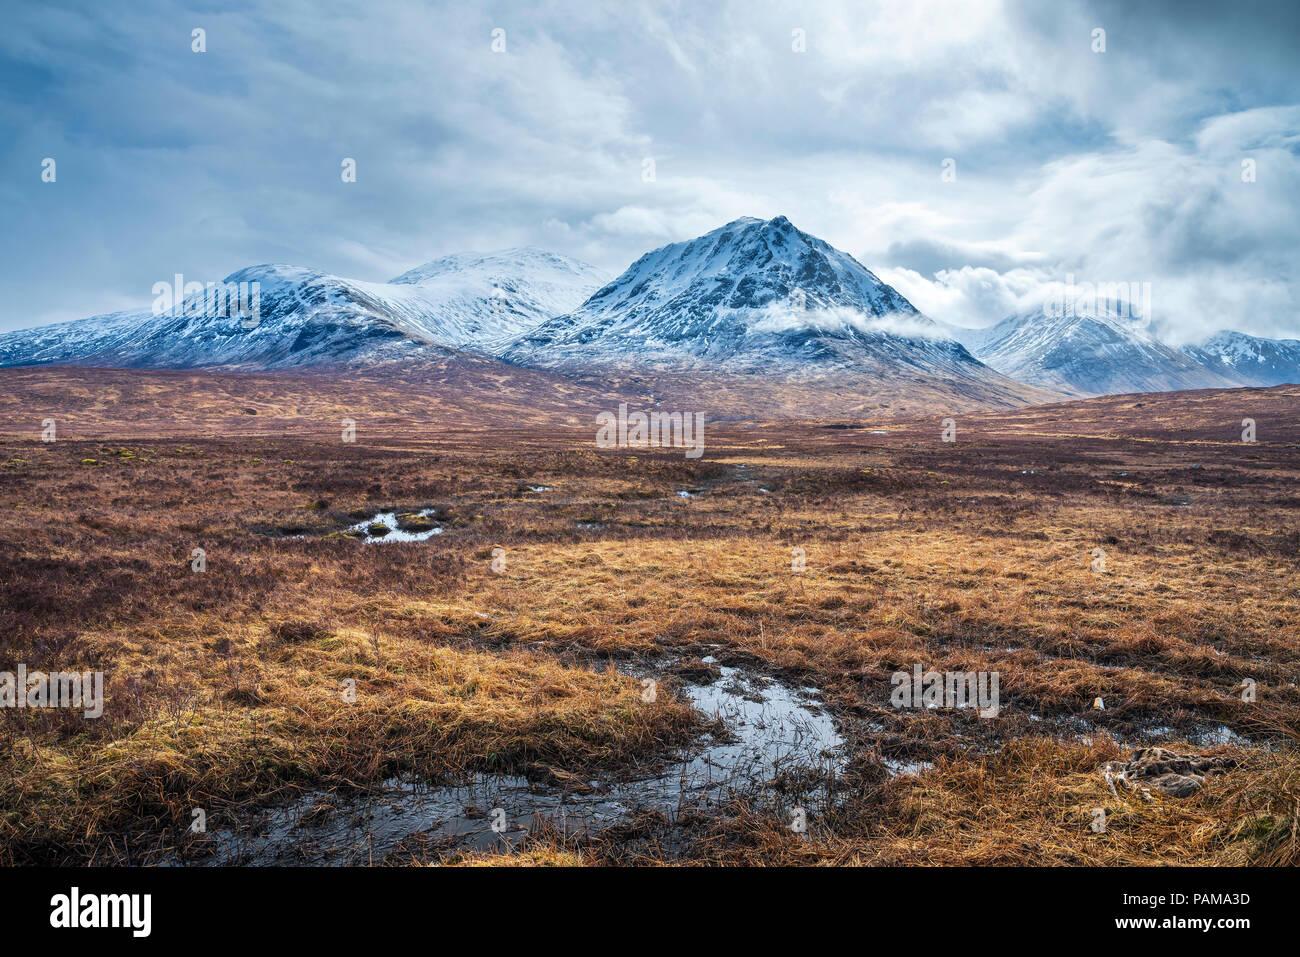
{"x": 435, "y": 711}
{"x": 534, "y": 856}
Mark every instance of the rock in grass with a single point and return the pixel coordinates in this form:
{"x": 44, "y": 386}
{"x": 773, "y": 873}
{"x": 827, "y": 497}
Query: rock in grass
{"x": 558, "y": 777}
{"x": 297, "y": 631}
{"x": 414, "y": 522}
{"x": 1170, "y": 773}
{"x": 697, "y": 671}
{"x": 1177, "y": 785}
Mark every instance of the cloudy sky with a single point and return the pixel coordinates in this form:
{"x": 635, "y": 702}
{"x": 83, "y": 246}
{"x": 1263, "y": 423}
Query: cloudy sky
{"x": 1117, "y": 166}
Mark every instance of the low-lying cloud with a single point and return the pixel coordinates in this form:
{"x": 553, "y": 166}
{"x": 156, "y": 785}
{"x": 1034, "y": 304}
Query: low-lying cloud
{"x": 782, "y": 317}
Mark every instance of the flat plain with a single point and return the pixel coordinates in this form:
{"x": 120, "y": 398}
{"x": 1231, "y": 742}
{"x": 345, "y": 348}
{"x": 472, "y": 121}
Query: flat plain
{"x": 797, "y": 565}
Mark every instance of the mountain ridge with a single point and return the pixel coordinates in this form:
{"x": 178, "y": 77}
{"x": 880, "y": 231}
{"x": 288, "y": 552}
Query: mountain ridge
{"x": 311, "y": 318}
{"x": 757, "y": 298}
{"x": 752, "y": 298}
{"x": 1108, "y": 351}
{"x": 1251, "y": 360}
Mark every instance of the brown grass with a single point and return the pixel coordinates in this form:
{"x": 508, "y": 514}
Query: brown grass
{"x": 225, "y": 687}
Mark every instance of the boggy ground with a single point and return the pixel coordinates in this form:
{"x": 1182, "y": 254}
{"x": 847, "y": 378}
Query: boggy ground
{"x": 226, "y": 687}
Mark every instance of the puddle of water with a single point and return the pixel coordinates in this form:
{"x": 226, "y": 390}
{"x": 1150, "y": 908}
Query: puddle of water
{"x": 541, "y": 488}
{"x": 683, "y": 493}
{"x": 774, "y": 728}
{"x": 897, "y": 767}
{"x": 394, "y": 534}
{"x": 1218, "y": 734}
{"x": 590, "y": 526}
{"x": 1162, "y": 731}
{"x": 770, "y": 729}
{"x": 1203, "y": 737}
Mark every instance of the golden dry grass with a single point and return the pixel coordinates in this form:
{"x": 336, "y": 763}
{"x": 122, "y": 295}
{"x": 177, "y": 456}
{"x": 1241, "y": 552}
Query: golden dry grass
{"x": 224, "y": 686}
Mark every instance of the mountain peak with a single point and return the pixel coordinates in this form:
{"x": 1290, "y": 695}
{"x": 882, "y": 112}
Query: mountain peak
{"x": 777, "y": 220}
{"x": 513, "y": 261}
{"x": 1248, "y": 359}
{"x": 465, "y": 301}
{"x": 751, "y": 296}
{"x": 752, "y": 224}
{"x": 1091, "y": 348}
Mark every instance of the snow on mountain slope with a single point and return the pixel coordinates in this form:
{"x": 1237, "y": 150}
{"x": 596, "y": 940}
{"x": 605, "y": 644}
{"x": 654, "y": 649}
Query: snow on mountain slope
{"x": 1093, "y": 354}
{"x": 308, "y": 318}
{"x": 485, "y": 298}
{"x": 750, "y": 297}
{"x": 70, "y": 342}
{"x": 1250, "y": 360}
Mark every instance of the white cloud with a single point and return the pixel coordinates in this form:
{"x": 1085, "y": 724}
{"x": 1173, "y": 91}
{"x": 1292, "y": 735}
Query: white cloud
{"x": 1122, "y": 166}
{"x": 783, "y": 317}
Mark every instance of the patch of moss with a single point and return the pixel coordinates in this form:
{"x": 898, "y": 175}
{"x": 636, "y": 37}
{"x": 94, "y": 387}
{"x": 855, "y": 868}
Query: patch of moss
{"x": 413, "y": 522}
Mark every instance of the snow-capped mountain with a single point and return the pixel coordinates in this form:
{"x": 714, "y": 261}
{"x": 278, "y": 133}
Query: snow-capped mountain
{"x": 1100, "y": 353}
{"x": 467, "y": 302}
{"x": 483, "y": 299}
{"x": 750, "y": 297}
{"x": 1249, "y": 360}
